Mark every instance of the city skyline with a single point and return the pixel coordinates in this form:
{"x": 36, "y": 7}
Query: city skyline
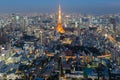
{"x": 72, "y": 6}
{"x": 59, "y": 40}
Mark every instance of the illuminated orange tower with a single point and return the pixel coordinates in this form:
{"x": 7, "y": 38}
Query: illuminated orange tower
{"x": 59, "y": 27}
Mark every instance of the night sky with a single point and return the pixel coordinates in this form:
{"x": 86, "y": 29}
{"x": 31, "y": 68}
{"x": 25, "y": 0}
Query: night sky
{"x": 68, "y": 6}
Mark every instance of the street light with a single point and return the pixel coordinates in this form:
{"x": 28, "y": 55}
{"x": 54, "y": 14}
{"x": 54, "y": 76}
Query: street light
{"x": 106, "y": 35}
{"x": 119, "y": 46}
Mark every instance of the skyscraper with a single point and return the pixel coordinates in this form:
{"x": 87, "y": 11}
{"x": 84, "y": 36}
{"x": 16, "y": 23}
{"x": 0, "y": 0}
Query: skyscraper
{"x": 59, "y": 27}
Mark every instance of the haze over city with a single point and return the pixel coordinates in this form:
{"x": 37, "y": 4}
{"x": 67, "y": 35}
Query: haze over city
{"x": 69, "y": 6}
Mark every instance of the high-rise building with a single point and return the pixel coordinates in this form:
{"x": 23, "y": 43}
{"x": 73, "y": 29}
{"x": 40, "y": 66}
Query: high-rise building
{"x": 59, "y": 27}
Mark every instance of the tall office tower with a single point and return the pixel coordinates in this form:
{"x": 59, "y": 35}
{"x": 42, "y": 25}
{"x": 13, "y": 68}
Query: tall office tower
{"x": 59, "y": 27}
{"x": 113, "y": 22}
